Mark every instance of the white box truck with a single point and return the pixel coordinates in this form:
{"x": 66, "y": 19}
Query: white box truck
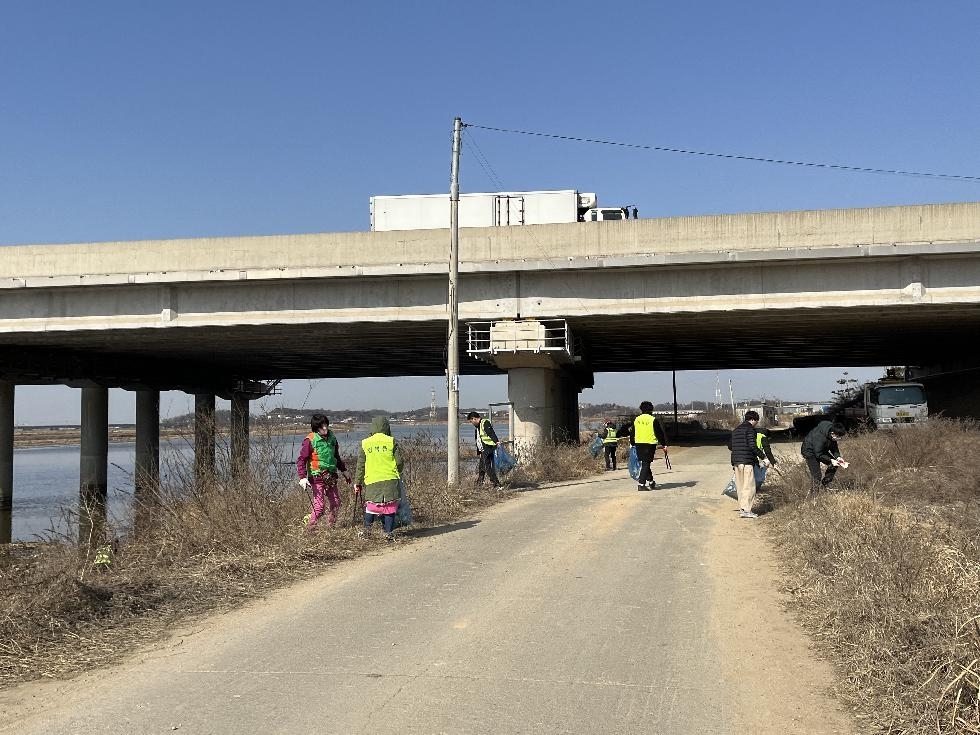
{"x": 495, "y": 209}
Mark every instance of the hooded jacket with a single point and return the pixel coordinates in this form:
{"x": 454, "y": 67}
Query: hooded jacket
{"x": 819, "y": 444}
{"x": 386, "y": 490}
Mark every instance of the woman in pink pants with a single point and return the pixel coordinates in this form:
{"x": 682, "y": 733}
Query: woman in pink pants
{"x": 317, "y": 465}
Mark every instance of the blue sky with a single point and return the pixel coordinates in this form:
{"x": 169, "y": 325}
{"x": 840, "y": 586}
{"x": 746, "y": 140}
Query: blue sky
{"x": 138, "y": 120}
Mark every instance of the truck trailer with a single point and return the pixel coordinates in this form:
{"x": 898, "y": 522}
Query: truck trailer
{"x": 493, "y": 209}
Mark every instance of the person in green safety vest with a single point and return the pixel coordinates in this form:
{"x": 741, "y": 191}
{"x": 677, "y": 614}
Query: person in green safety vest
{"x": 378, "y": 476}
{"x": 645, "y": 434}
{"x": 317, "y": 465}
{"x": 610, "y": 441}
{"x": 486, "y": 446}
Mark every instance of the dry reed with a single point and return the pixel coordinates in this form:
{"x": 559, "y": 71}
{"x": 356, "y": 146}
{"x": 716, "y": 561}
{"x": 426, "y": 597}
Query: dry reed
{"x": 886, "y": 573}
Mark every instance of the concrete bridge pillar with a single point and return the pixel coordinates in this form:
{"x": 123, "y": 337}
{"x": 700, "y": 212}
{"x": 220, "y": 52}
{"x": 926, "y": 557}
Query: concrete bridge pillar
{"x": 204, "y": 444}
{"x": 239, "y": 436}
{"x": 545, "y": 405}
{"x": 93, "y": 465}
{"x": 6, "y": 460}
{"x": 544, "y": 374}
{"x": 147, "y": 470}
{"x": 529, "y": 389}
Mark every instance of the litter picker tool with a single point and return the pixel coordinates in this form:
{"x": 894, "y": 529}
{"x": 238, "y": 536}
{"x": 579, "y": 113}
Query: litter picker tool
{"x": 666, "y": 458}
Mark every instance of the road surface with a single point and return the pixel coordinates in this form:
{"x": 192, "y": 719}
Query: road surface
{"x": 586, "y": 607}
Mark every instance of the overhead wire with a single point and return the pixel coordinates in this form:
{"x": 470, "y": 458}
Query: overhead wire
{"x": 733, "y": 156}
{"x": 484, "y": 161}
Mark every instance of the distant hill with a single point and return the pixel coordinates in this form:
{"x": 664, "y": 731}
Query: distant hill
{"x": 287, "y": 415}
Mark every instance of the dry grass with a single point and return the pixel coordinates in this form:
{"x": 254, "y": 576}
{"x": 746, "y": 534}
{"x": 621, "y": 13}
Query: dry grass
{"x": 887, "y": 574}
{"x": 211, "y": 546}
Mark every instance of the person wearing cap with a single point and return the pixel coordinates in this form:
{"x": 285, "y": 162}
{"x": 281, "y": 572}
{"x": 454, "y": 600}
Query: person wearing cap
{"x": 486, "y": 446}
{"x": 610, "y": 442}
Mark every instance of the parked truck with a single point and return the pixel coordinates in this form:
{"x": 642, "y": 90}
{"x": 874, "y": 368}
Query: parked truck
{"x": 496, "y": 209}
{"x": 887, "y": 404}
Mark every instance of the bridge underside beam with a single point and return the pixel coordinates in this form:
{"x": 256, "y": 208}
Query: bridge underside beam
{"x": 190, "y": 358}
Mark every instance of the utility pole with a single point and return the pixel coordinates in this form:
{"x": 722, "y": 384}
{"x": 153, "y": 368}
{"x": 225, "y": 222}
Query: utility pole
{"x": 432, "y": 407}
{"x": 731, "y": 394}
{"x": 452, "y": 362}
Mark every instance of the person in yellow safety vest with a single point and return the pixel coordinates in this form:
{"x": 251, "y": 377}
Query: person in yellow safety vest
{"x": 317, "y": 466}
{"x": 762, "y": 442}
{"x": 379, "y": 471}
{"x": 610, "y": 440}
{"x": 486, "y": 446}
{"x": 645, "y": 434}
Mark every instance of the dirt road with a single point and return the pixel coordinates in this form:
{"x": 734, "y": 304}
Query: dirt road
{"x": 582, "y": 608}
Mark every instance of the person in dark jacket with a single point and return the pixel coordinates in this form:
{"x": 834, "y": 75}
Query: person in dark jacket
{"x": 746, "y": 455}
{"x": 645, "y": 434}
{"x": 486, "y": 446}
{"x": 820, "y": 447}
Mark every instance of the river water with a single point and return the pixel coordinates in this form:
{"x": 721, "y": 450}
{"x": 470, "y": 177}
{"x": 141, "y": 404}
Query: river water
{"x": 46, "y": 479}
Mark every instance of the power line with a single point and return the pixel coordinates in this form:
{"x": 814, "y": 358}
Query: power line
{"x": 483, "y": 161}
{"x": 732, "y": 156}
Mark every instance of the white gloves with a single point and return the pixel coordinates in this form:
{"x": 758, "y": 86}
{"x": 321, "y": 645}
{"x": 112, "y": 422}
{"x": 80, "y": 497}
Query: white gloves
{"x": 304, "y": 483}
{"x": 839, "y": 461}
{"x": 766, "y": 463}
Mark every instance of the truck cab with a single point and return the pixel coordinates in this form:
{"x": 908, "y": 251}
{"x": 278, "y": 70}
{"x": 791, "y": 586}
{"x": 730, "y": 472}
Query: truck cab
{"x": 888, "y": 404}
{"x": 602, "y": 214}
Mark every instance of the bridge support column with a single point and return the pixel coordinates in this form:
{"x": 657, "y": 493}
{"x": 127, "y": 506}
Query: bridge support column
{"x": 544, "y": 374}
{"x": 529, "y": 389}
{"x": 204, "y": 437}
{"x": 239, "y": 436}
{"x": 545, "y": 404}
{"x": 6, "y": 460}
{"x": 147, "y": 470}
{"x": 93, "y": 465}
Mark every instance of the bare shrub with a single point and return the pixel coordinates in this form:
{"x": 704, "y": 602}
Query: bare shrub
{"x": 888, "y": 573}
{"x": 554, "y": 463}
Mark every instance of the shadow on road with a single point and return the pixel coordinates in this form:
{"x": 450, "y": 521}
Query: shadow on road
{"x": 439, "y": 530}
{"x": 672, "y": 485}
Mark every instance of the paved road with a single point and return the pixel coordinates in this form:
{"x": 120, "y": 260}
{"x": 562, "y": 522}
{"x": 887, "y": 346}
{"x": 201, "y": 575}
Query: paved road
{"x": 583, "y": 608}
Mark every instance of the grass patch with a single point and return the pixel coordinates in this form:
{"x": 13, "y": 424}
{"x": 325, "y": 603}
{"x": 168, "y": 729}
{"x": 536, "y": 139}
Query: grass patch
{"x": 212, "y": 545}
{"x": 886, "y": 574}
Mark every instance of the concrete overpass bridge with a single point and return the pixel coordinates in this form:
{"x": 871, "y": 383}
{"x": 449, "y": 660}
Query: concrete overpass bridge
{"x": 218, "y": 316}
